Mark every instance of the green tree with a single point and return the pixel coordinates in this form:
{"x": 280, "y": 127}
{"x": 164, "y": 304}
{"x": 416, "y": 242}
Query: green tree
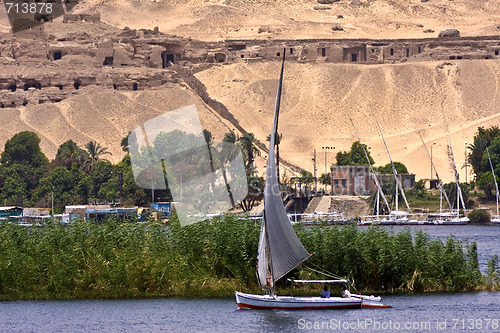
{"x": 342, "y": 158}
{"x": 418, "y": 190}
{"x": 494, "y": 150}
{"x": 68, "y": 187}
{"x": 486, "y": 183}
{"x": 482, "y": 139}
{"x": 248, "y": 143}
{"x": 356, "y": 156}
{"x": 24, "y": 148}
{"x": 387, "y": 169}
{"x": 23, "y": 164}
{"x": 95, "y": 152}
{"x": 101, "y": 174}
{"x": 132, "y": 194}
{"x": 230, "y": 148}
{"x": 325, "y": 178}
{"x": 479, "y": 216}
{"x": 14, "y": 184}
{"x": 451, "y": 189}
{"x": 255, "y": 190}
{"x": 306, "y": 177}
{"x": 68, "y": 154}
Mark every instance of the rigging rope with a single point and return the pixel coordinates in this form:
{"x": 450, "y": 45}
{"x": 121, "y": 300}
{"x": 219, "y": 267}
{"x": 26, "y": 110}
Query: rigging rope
{"x": 350, "y": 282}
{"x": 324, "y": 273}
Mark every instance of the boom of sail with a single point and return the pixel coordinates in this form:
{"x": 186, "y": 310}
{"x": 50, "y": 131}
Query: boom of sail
{"x": 280, "y": 250}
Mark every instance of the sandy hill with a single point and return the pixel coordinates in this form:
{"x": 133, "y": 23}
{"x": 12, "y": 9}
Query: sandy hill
{"x": 225, "y": 19}
{"x": 318, "y": 100}
{"x": 102, "y": 115}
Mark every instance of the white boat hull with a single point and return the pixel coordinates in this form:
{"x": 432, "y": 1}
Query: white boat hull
{"x": 495, "y": 220}
{"x": 295, "y": 303}
{"x": 370, "y": 301}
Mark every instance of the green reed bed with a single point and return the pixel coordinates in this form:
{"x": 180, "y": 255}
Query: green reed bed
{"x": 113, "y": 259}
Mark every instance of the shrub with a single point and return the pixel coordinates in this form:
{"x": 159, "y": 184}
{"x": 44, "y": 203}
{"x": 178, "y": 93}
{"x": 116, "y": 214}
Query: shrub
{"x": 479, "y": 216}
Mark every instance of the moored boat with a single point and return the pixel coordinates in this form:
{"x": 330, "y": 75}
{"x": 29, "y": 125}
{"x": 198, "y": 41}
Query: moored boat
{"x": 295, "y": 303}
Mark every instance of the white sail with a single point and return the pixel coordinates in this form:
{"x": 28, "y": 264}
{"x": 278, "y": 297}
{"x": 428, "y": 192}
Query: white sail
{"x": 280, "y": 250}
{"x": 263, "y": 261}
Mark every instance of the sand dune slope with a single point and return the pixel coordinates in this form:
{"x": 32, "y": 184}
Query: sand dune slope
{"x": 319, "y": 99}
{"x": 102, "y": 115}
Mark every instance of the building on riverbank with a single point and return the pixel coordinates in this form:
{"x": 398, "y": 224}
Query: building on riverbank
{"x": 357, "y": 180}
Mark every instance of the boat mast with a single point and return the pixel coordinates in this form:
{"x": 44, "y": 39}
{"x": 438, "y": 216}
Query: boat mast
{"x": 494, "y": 177}
{"x": 398, "y": 183}
{"x": 280, "y": 250}
{"x": 272, "y": 145}
{"x": 459, "y": 190}
{"x": 374, "y": 176}
{"x": 440, "y": 182}
{"x": 378, "y": 203}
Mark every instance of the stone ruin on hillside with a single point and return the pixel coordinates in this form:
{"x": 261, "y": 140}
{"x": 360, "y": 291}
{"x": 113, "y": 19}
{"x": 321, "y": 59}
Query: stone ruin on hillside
{"x": 39, "y": 68}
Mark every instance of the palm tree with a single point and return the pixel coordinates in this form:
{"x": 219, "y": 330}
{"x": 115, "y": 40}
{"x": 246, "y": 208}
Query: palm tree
{"x": 230, "y": 137}
{"x": 124, "y": 143}
{"x": 230, "y": 146}
{"x": 248, "y": 143}
{"x": 95, "y": 151}
{"x": 69, "y": 153}
{"x": 226, "y": 152}
{"x": 210, "y": 140}
{"x": 475, "y": 157}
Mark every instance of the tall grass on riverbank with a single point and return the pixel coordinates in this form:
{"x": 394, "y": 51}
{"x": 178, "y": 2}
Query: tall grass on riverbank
{"x": 376, "y": 259}
{"x": 111, "y": 259}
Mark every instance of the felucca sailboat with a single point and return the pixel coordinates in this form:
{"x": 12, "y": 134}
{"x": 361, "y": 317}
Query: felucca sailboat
{"x": 280, "y": 250}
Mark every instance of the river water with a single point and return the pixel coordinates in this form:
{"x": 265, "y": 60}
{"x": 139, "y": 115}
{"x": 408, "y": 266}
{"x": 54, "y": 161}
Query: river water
{"x": 458, "y": 312}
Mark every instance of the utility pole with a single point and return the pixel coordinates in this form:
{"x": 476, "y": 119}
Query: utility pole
{"x": 315, "y": 179}
{"x": 326, "y": 151}
{"x": 431, "y": 158}
{"x": 465, "y": 154}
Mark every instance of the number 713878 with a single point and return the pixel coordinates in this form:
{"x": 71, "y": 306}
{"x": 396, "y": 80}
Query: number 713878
{"x": 28, "y": 8}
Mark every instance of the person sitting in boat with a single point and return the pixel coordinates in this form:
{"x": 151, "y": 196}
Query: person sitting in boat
{"x": 325, "y": 293}
{"x": 346, "y": 294}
